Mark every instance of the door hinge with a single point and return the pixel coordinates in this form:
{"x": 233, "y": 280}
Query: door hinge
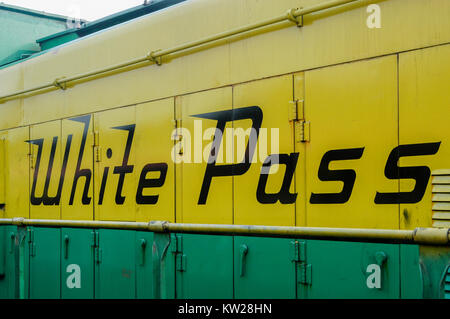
{"x": 295, "y": 255}
{"x": 302, "y": 131}
{"x": 97, "y": 148}
{"x": 296, "y": 110}
{"x": 98, "y": 255}
{"x": 177, "y": 246}
{"x": 30, "y": 235}
{"x": 96, "y": 245}
{"x": 31, "y": 243}
{"x": 305, "y": 274}
{"x": 95, "y": 239}
{"x": 181, "y": 262}
{"x": 298, "y": 251}
{"x": 96, "y": 138}
{"x": 32, "y": 156}
{"x": 177, "y": 249}
{"x": 299, "y": 256}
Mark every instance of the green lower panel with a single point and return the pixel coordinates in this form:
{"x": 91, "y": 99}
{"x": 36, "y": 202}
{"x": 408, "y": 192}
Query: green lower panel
{"x": 115, "y": 265}
{"x": 77, "y": 263}
{"x": 435, "y": 268}
{"x": 2, "y": 252}
{"x": 7, "y": 255}
{"x": 45, "y": 263}
{"x": 263, "y": 268}
{"x": 204, "y": 266}
{"x": 144, "y": 265}
{"x": 411, "y": 276}
{"x": 351, "y": 270}
{"x": 69, "y": 263}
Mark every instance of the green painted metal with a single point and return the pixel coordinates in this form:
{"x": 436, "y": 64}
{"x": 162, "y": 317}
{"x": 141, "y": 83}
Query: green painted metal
{"x": 343, "y": 270}
{"x": 264, "y": 268}
{"x": 7, "y": 281}
{"x": 41, "y": 262}
{"x": 411, "y": 276}
{"x": 115, "y": 275}
{"x": 77, "y": 263}
{"x": 163, "y": 256}
{"x": 54, "y": 42}
{"x": 88, "y": 28}
{"x": 435, "y": 263}
{"x": 144, "y": 265}
{"x": 2, "y": 252}
{"x": 44, "y": 245}
{"x": 204, "y": 266}
{"x": 22, "y": 264}
{"x": 20, "y": 27}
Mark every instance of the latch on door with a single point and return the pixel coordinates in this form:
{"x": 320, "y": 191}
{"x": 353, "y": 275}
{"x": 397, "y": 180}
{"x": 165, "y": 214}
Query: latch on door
{"x": 243, "y": 251}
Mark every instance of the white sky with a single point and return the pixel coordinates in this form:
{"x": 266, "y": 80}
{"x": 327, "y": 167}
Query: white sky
{"x": 83, "y": 9}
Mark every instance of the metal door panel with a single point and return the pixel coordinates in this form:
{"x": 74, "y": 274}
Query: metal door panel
{"x": 264, "y": 268}
{"x": 217, "y": 208}
{"x": 273, "y": 97}
{"x": 205, "y": 267}
{"x": 154, "y": 126}
{"x": 352, "y": 109}
{"x": 47, "y": 175}
{"x": 424, "y": 118}
{"x": 115, "y": 191}
{"x": 77, "y": 263}
{"x": 77, "y": 195}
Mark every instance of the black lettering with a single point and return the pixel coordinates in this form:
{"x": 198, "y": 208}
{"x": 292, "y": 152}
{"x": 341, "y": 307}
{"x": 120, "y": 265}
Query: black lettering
{"x": 212, "y": 170}
{"x": 124, "y": 168}
{"x": 284, "y": 196}
{"x": 86, "y": 173}
{"x": 151, "y": 183}
{"x": 347, "y": 176}
{"x": 103, "y": 185}
{"x": 421, "y": 174}
{"x": 46, "y": 199}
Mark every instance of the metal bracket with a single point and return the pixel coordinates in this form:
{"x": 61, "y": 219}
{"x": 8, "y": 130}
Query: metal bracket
{"x": 58, "y": 84}
{"x": 155, "y": 59}
{"x": 181, "y": 262}
{"x": 297, "y": 20}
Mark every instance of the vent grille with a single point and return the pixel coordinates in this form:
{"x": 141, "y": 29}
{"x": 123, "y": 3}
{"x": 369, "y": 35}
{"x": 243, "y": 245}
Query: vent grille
{"x": 441, "y": 198}
{"x": 447, "y": 284}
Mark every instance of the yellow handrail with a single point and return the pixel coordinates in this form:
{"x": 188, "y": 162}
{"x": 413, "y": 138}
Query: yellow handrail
{"x": 424, "y": 236}
{"x": 155, "y": 57}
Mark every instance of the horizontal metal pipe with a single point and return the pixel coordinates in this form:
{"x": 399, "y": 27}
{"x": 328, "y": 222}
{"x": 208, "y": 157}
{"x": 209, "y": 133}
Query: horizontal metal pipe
{"x": 154, "y": 55}
{"x": 424, "y": 236}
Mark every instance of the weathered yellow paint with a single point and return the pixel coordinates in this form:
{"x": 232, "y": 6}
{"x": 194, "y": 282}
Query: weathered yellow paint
{"x": 333, "y": 63}
{"x": 154, "y": 126}
{"x": 323, "y": 40}
{"x": 78, "y": 210}
{"x": 51, "y": 134}
{"x": 17, "y": 170}
{"x": 219, "y": 205}
{"x": 353, "y": 106}
{"x": 424, "y": 118}
{"x": 300, "y": 147}
{"x": 115, "y": 140}
{"x": 273, "y": 97}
